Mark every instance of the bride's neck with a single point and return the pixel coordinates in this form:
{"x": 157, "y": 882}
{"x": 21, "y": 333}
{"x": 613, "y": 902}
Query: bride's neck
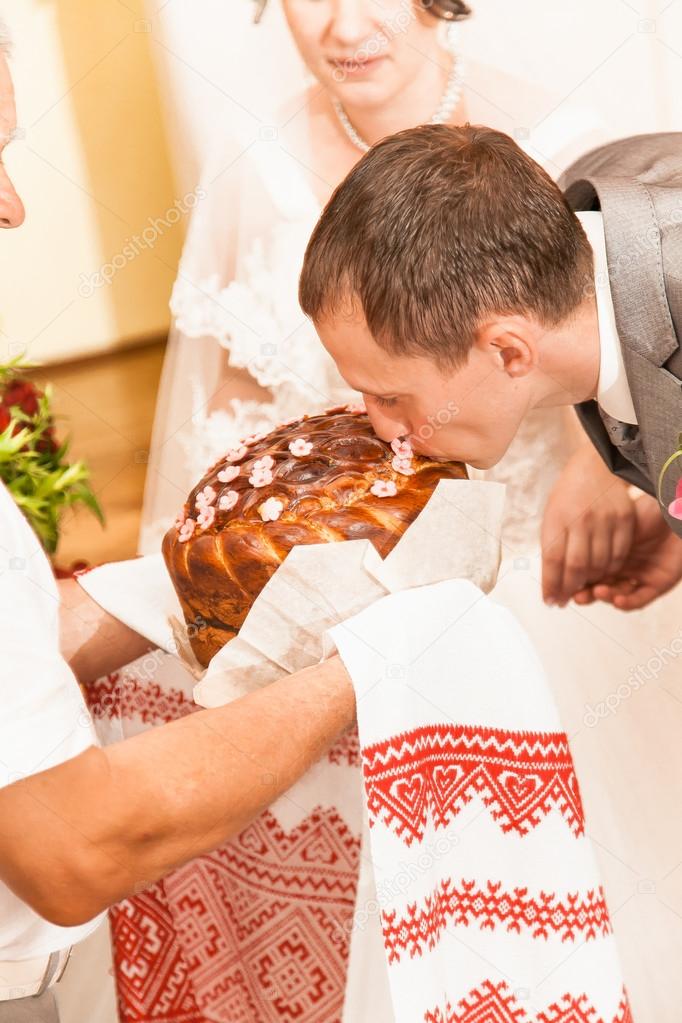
{"x": 417, "y": 105}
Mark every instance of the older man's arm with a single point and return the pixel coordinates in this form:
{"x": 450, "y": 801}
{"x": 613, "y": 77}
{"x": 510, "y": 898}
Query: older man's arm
{"x": 83, "y": 835}
{"x": 91, "y": 641}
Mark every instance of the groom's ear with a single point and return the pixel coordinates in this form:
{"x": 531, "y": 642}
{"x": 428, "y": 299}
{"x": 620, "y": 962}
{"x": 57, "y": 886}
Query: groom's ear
{"x": 510, "y": 342}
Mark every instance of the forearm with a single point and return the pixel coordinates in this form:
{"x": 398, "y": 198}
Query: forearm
{"x": 110, "y": 821}
{"x": 92, "y": 641}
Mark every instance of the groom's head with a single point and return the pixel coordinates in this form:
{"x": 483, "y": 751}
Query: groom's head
{"x": 449, "y": 279}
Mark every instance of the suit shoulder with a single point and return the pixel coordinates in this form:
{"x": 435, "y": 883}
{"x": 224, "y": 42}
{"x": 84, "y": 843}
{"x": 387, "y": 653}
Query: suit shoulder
{"x": 629, "y": 157}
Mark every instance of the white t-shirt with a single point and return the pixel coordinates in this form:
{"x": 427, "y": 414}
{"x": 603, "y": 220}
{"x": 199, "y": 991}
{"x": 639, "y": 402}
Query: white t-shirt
{"x": 43, "y": 717}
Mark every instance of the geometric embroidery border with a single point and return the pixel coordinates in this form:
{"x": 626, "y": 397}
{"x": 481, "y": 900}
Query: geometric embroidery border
{"x": 436, "y": 770}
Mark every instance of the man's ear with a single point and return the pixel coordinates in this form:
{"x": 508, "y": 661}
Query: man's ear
{"x": 511, "y": 342}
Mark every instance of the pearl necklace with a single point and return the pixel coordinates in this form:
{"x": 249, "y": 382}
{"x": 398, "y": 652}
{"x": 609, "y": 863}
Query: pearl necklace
{"x": 448, "y": 103}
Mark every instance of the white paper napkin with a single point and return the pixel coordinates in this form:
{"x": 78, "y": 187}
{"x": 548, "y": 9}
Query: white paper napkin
{"x": 457, "y": 535}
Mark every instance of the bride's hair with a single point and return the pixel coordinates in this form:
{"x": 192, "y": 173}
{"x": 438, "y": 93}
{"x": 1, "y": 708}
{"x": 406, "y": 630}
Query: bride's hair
{"x": 448, "y": 10}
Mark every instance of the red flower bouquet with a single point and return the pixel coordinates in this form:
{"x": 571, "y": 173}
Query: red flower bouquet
{"x": 33, "y": 463}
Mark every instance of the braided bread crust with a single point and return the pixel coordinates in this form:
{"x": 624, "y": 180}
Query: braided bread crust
{"x": 225, "y": 545}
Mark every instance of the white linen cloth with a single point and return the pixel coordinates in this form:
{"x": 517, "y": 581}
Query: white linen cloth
{"x": 487, "y": 891}
{"x": 43, "y": 717}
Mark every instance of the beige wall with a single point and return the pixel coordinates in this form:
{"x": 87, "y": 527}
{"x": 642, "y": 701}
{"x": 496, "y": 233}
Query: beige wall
{"x": 92, "y": 167}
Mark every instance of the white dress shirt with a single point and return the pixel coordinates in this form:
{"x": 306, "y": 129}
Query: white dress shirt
{"x": 613, "y": 390}
{"x": 43, "y": 717}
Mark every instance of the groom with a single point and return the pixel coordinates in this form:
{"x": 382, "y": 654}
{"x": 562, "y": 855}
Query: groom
{"x": 455, "y": 286}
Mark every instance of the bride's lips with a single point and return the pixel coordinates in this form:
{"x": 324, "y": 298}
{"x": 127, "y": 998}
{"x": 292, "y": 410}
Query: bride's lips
{"x": 356, "y": 68}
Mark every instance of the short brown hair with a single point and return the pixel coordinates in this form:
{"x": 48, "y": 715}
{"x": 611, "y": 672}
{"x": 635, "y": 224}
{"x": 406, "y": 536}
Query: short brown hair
{"x": 438, "y": 227}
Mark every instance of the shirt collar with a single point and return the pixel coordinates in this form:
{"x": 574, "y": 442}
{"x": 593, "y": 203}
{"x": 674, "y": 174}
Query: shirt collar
{"x": 613, "y": 390}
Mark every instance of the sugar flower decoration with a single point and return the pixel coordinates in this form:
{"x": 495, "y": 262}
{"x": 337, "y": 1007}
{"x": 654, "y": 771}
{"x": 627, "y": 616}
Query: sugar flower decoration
{"x": 260, "y": 477}
{"x": 402, "y": 465}
{"x": 181, "y": 516}
{"x": 228, "y": 474}
{"x": 228, "y": 500}
{"x": 266, "y": 462}
{"x": 186, "y": 530}
{"x": 384, "y": 488}
{"x": 234, "y": 454}
{"x": 271, "y": 509}
{"x": 402, "y": 448}
{"x": 205, "y": 497}
{"x": 300, "y": 447}
{"x": 206, "y": 517}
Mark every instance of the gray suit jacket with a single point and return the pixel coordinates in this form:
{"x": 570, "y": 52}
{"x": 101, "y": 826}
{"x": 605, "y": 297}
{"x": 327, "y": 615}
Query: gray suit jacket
{"x": 637, "y": 184}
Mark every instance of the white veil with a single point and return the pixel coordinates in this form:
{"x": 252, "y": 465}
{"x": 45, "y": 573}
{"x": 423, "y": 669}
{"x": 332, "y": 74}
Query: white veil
{"x": 223, "y": 76}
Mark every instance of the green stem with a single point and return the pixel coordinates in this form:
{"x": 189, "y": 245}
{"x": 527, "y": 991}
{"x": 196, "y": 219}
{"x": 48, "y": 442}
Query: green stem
{"x": 675, "y": 455}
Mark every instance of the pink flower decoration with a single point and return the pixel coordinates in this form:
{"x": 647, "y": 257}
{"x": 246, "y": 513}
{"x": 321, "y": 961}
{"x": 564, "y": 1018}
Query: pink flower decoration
{"x": 206, "y": 517}
{"x": 384, "y": 488}
{"x": 675, "y": 507}
{"x": 271, "y": 509}
{"x": 188, "y": 527}
{"x": 228, "y": 474}
{"x": 402, "y": 448}
{"x": 402, "y": 465}
{"x": 228, "y": 500}
{"x": 266, "y": 462}
{"x": 300, "y": 447}
{"x": 182, "y": 515}
{"x": 205, "y": 497}
{"x": 261, "y": 477}
{"x": 234, "y": 454}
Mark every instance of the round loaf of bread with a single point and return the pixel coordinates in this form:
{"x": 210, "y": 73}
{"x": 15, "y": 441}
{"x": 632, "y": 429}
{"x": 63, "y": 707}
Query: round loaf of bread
{"x": 322, "y": 478}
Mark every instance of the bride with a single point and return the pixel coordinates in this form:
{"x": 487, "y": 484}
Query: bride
{"x": 242, "y": 358}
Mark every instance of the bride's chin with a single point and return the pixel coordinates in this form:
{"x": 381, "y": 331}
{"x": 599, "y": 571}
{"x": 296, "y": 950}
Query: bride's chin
{"x": 363, "y": 95}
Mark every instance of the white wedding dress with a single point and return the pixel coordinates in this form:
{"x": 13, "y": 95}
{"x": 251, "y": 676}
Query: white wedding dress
{"x": 235, "y": 307}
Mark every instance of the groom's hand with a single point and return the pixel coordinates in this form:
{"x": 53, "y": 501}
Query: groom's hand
{"x": 587, "y": 528}
{"x": 652, "y": 568}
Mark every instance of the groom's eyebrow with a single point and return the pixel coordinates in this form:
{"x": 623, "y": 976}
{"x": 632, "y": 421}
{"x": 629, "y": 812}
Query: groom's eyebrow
{"x": 372, "y": 394}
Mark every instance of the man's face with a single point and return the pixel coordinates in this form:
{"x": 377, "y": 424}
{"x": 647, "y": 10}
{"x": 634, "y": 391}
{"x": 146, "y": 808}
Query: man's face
{"x": 469, "y": 414}
{"x": 11, "y": 206}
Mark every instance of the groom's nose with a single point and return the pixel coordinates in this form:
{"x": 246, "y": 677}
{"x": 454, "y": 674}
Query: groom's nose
{"x": 385, "y": 426}
{"x": 11, "y": 206}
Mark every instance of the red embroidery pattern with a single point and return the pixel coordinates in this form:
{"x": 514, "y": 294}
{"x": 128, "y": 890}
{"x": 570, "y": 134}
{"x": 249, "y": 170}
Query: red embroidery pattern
{"x": 265, "y": 921}
{"x": 125, "y": 696}
{"x": 436, "y": 770}
{"x": 346, "y": 750}
{"x": 152, "y": 979}
{"x": 495, "y": 1003}
{"x": 466, "y": 904}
